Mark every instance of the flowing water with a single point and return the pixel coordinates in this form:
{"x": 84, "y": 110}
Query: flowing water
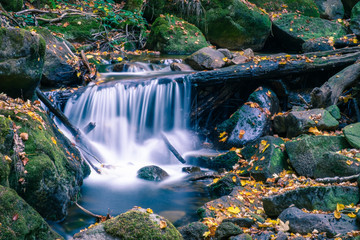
{"x": 129, "y": 118}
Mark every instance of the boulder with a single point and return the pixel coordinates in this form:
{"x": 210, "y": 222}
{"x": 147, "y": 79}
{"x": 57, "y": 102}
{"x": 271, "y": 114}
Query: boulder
{"x": 206, "y": 59}
{"x": 334, "y": 111}
{"x": 352, "y": 134}
{"x": 12, "y": 5}
{"x": 303, "y": 223}
{"x": 135, "y": 224}
{"x": 306, "y": 152}
{"x": 317, "y": 45}
{"x": 251, "y": 121}
{"x": 226, "y": 230}
{"x": 311, "y": 198}
{"x": 57, "y": 71}
{"x": 305, "y": 7}
{"x": 226, "y": 160}
{"x": 21, "y": 61}
{"x": 180, "y": 67}
{"x": 152, "y": 173}
{"x": 299, "y": 122}
{"x": 330, "y": 9}
{"x": 267, "y": 157}
{"x": 225, "y": 185}
{"x": 355, "y": 19}
{"x": 46, "y": 170}
{"x": 292, "y": 30}
{"x": 243, "y": 236}
{"x": 191, "y": 169}
{"x": 194, "y": 231}
{"x": 241, "y": 222}
{"x": 173, "y": 35}
{"x": 20, "y": 221}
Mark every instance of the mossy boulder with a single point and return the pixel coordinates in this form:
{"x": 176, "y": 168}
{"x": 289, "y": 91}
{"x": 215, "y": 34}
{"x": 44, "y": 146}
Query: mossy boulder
{"x": 352, "y": 134}
{"x": 21, "y": 61}
{"x": 79, "y": 29}
{"x": 292, "y": 30}
{"x": 194, "y": 231}
{"x": 305, "y": 7}
{"x": 173, "y": 35}
{"x": 12, "y": 5}
{"x": 225, "y": 185}
{"x": 133, "y": 5}
{"x": 46, "y": 170}
{"x": 57, "y": 71}
{"x": 152, "y": 173}
{"x": 225, "y": 160}
{"x": 306, "y": 152}
{"x": 311, "y": 198}
{"x": 226, "y": 230}
{"x": 355, "y": 19}
{"x": 18, "y": 220}
{"x": 135, "y": 224}
{"x": 268, "y": 157}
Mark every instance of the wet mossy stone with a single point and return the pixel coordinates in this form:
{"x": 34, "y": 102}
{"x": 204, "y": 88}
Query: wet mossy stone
{"x": 225, "y": 185}
{"x": 80, "y": 28}
{"x": 5, "y": 165}
{"x": 305, "y": 152}
{"x": 173, "y": 35}
{"x": 152, "y": 173}
{"x": 20, "y": 221}
{"x": 227, "y": 161}
{"x": 226, "y": 230}
{"x": 352, "y": 134}
{"x": 355, "y": 19}
{"x": 268, "y": 158}
{"x": 194, "y": 231}
{"x": 330, "y": 9}
{"x": 305, "y": 7}
{"x": 292, "y": 30}
{"x": 322, "y": 198}
{"x": 12, "y": 5}
{"x": 334, "y": 111}
{"x": 21, "y": 62}
{"x": 6, "y": 135}
{"x": 139, "y": 224}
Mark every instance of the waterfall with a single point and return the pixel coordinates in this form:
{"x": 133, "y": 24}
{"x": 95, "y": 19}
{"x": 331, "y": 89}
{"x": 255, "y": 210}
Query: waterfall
{"x": 130, "y": 117}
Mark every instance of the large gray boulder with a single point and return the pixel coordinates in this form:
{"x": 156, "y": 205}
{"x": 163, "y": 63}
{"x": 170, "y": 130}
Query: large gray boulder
{"x": 206, "y": 59}
{"x": 330, "y": 9}
{"x": 21, "y": 61}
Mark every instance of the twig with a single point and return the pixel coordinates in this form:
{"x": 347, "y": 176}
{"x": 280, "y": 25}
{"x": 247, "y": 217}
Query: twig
{"x": 352, "y": 178}
{"x": 85, "y": 61}
{"x": 89, "y": 213}
{"x": 172, "y": 149}
{"x": 304, "y": 101}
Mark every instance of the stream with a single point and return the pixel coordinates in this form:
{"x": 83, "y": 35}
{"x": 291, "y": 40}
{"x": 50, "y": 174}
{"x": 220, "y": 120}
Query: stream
{"x": 130, "y": 111}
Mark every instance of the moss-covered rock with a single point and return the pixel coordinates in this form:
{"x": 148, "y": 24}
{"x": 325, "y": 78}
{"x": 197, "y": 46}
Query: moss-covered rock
{"x": 18, "y": 220}
{"x": 21, "y": 61}
{"x": 352, "y": 134}
{"x": 305, "y": 7}
{"x": 355, "y": 19}
{"x": 292, "y": 30}
{"x": 226, "y": 230}
{"x": 172, "y": 35}
{"x": 152, "y": 173}
{"x": 225, "y": 185}
{"x": 334, "y": 111}
{"x": 226, "y": 160}
{"x": 194, "y": 231}
{"x": 12, "y": 5}
{"x": 134, "y": 5}
{"x": 330, "y": 9}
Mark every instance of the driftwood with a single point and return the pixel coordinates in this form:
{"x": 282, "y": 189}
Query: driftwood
{"x": 329, "y": 93}
{"x": 81, "y": 141}
{"x": 172, "y": 149}
{"x": 99, "y": 218}
{"x": 352, "y": 178}
{"x": 276, "y": 68}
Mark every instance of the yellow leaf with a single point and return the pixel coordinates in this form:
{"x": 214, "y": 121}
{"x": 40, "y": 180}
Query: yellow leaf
{"x": 163, "y": 224}
{"x": 337, "y": 214}
{"x": 206, "y": 234}
{"x": 234, "y": 179}
{"x": 89, "y": 56}
{"x": 263, "y": 142}
{"x": 233, "y": 210}
{"x": 243, "y": 182}
{"x": 149, "y": 210}
{"x": 78, "y": 74}
{"x": 223, "y": 139}
{"x": 340, "y": 207}
{"x": 54, "y": 46}
{"x": 53, "y": 140}
{"x": 265, "y": 148}
{"x": 291, "y": 29}
{"x": 352, "y": 215}
{"x": 225, "y": 59}
{"x": 314, "y": 131}
{"x": 119, "y": 59}
{"x": 215, "y": 180}
{"x": 349, "y": 162}
{"x": 222, "y": 134}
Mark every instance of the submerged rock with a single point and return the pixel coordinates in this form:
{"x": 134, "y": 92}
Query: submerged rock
{"x": 311, "y": 198}
{"x": 303, "y": 223}
{"x": 251, "y": 121}
{"x": 194, "y": 231}
{"x": 20, "y": 221}
{"x": 206, "y": 59}
{"x": 173, "y": 35}
{"x": 135, "y": 224}
{"x": 21, "y": 62}
{"x": 352, "y": 134}
{"x": 152, "y": 173}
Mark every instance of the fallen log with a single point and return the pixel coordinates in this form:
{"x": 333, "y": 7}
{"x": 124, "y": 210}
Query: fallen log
{"x": 352, "y": 178}
{"x": 172, "y": 149}
{"x": 278, "y": 66}
{"x": 328, "y": 94}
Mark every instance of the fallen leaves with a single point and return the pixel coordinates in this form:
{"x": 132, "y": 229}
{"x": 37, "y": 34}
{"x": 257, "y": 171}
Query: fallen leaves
{"x": 314, "y": 131}
{"x": 24, "y": 136}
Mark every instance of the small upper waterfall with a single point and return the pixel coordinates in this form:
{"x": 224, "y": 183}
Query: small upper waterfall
{"x": 130, "y": 118}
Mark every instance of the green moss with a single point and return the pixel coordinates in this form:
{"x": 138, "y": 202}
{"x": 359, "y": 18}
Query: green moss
{"x": 229, "y": 124}
{"x": 305, "y": 7}
{"x": 6, "y": 135}
{"x": 137, "y": 225}
{"x": 172, "y": 35}
{"x": 134, "y": 5}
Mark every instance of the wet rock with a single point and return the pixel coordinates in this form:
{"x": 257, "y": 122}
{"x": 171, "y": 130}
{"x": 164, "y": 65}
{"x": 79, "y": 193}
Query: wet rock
{"x": 298, "y": 122}
{"x": 21, "y": 62}
{"x": 137, "y": 223}
{"x": 206, "y": 59}
{"x": 241, "y": 222}
{"x": 292, "y": 30}
{"x": 194, "y": 231}
{"x": 311, "y": 198}
{"x": 334, "y": 111}
{"x": 19, "y": 220}
{"x": 306, "y": 152}
{"x": 251, "y": 121}
{"x": 226, "y": 160}
{"x": 355, "y": 19}
{"x": 268, "y": 158}
{"x": 303, "y": 223}
{"x": 238, "y": 59}
{"x": 225, "y": 185}
{"x": 330, "y": 9}
{"x": 130, "y": 67}
{"x": 352, "y": 134}
{"x": 265, "y": 235}
{"x": 243, "y": 236}
{"x": 317, "y": 45}
{"x": 152, "y": 173}
{"x": 173, "y": 35}
{"x": 57, "y": 71}
{"x": 180, "y": 67}
{"x": 226, "y": 230}
{"x": 191, "y": 169}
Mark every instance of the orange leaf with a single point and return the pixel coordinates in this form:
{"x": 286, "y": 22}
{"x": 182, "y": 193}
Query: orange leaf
{"x": 53, "y": 140}
{"x": 337, "y": 214}
{"x": 314, "y": 131}
{"x": 163, "y": 224}
{"x": 241, "y": 134}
